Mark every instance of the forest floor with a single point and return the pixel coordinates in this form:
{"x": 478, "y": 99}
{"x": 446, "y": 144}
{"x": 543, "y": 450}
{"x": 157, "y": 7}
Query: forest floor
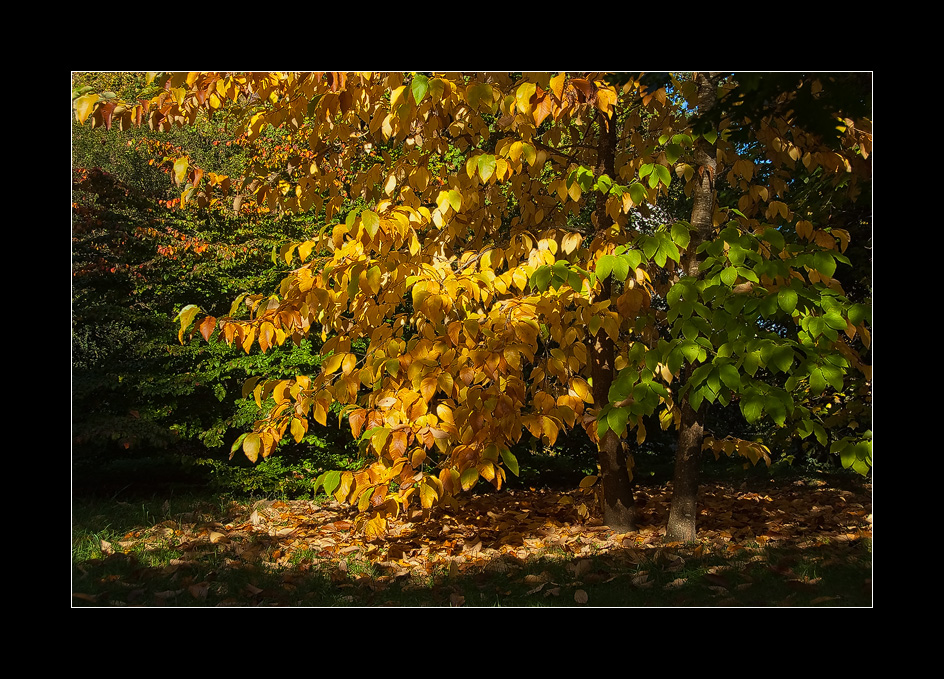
{"x": 799, "y": 542}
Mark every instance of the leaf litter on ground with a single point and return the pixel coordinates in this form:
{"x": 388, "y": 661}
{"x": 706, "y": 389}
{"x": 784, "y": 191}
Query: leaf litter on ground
{"x": 501, "y": 536}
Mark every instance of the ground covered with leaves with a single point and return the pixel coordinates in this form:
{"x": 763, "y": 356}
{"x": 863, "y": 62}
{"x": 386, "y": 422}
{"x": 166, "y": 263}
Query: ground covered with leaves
{"x": 799, "y": 543}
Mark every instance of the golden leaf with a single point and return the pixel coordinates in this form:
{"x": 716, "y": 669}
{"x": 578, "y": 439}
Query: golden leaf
{"x": 251, "y": 446}
{"x": 180, "y": 169}
{"x": 84, "y": 107}
{"x": 332, "y": 363}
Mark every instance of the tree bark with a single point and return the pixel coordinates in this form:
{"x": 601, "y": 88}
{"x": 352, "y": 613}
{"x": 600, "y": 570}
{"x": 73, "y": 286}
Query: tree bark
{"x": 683, "y": 511}
{"x": 619, "y": 505}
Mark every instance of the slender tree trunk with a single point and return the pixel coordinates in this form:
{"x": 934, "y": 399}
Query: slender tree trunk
{"x": 683, "y": 511}
{"x": 619, "y": 505}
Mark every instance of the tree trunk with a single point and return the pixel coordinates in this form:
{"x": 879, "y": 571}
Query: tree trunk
{"x": 683, "y": 510}
{"x": 619, "y": 505}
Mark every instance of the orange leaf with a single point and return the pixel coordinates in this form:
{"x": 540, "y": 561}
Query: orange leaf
{"x": 207, "y": 327}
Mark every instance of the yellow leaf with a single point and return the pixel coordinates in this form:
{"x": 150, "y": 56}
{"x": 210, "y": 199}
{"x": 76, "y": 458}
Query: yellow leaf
{"x": 347, "y": 480}
{"x": 606, "y": 98}
{"x": 332, "y": 364}
{"x": 571, "y": 242}
{"x": 84, "y": 107}
{"x": 549, "y": 428}
{"x": 469, "y": 478}
{"x": 804, "y": 229}
{"x": 320, "y": 414}
{"x": 180, "y": 169}
{"x": 428, "y": 495}
{"x": 376, "y": 527}
{"x": 557, "y": 86}
{"x": 298, "y": 429}
{"x": 373, "y": 279}
{"x": 363, "y": 502}
{"x": 582, "y": 389}
{"x": 251, "y": 445}
{"x": 523, "y": 97}
{"x": 348, "y": 364}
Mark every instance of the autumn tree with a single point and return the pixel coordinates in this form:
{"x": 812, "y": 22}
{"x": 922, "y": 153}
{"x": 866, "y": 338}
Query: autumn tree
{"x": 486, "y": 263}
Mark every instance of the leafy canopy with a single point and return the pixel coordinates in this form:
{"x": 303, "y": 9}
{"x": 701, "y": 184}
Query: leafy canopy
{"x": 476, "y": 258}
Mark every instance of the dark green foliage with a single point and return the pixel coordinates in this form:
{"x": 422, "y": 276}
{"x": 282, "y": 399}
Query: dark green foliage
{"x": 138, "y": 395}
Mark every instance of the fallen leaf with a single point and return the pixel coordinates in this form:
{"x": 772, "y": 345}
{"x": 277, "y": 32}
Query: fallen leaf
{"x": 580, "y": 596}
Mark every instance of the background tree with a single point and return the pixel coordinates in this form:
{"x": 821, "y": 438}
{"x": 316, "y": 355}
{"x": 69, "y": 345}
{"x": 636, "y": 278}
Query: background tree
{"x": 137, "y": 260}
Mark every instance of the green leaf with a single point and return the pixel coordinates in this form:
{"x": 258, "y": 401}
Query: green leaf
{"x": 690, "y": 350}
{"x": 667, "y": 250}
{"x": 817, "y": 381}
{"x": 859, "y": 313}
{"x": 613, "y": 264}
{"x": 332, "y": 480}
{"x": 833, "y": 375}
{"x": 622, "y": 386}
{"x": 419, "y": 87}
{"x": 673, "y": 152}
{"x": 621, "y": 268}
{"x": 774, "y": 238}
{"x": 787, "y": 299}
{"x": 486, "y": 166}
{"x": 681, "y": 234}
{"x": 616, "y": 419}
{"x": 751, "y": 363}
{"x": 835, "y": 320}
{"x": 510, "y": 461}
{"x": 782, "y": 359}
{"x": 541, "y": 278}
{"x": 604, "y": 266}
{"x": 730, "y": 376}
{"x": 752, "y": 406}
{"x": 236, "y": 446}
{"x": 603, "y": 184}
{"x": 663, "y": 174}
{"x": 824, "y": 263}
{"x": 371, "y": 222}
